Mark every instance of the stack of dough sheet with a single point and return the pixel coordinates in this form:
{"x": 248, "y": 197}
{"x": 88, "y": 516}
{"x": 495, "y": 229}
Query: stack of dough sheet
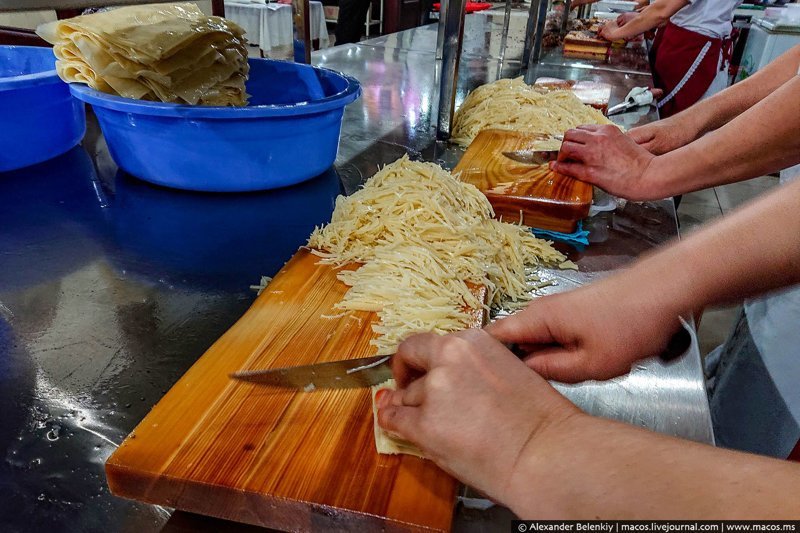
{"x": 158, "y": 52}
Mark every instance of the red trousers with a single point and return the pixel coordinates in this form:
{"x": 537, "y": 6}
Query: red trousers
{"x": 674, "y": 53}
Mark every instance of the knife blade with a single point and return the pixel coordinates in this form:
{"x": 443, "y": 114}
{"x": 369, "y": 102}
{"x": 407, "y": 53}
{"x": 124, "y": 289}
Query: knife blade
{"x": 374, "y": 370}
{"x": 543, "y": 150}
{"x": 532, "y": 157}
{"x": 346, "y": 374}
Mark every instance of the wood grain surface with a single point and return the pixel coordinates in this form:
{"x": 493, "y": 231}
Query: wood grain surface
{"x": 277, "y": 458}
{"x": 544, "y": 199}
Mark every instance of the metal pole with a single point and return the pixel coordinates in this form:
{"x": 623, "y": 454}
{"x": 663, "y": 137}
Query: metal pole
{"x": 565, "y": 19}
{"x": 504, "y": 38}
{"x": 535, "y": 32}
{"x": 440, "y": 29}
{"x": 302, "y": 27}
{"x": 451, "y": 55}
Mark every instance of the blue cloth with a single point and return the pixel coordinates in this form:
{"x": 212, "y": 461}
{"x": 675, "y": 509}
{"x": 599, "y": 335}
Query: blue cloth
{"x": 579, "y": 236}
{"x": 747, "y": 410}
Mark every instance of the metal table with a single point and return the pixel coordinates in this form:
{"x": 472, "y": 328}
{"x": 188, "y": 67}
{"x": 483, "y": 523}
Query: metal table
{"x": 111, "y": 288}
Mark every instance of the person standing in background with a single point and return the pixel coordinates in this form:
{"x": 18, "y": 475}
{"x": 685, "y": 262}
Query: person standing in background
{"x": 350, "y": 22}
{"x": 691, "y": 50}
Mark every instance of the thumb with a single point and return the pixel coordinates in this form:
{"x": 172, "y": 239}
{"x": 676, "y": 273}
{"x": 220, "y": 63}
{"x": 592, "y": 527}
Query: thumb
{"x": 399, "y": 420}
{"x": 526, "y": 327}
{"x": 579, "y": 171}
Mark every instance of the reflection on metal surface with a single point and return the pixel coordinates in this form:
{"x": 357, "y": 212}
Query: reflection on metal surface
{"x": 681, "y": 396}
{"x": 110, "y": 289}
{"x": 632, "y": 60}
{"x": 482, "y": 36}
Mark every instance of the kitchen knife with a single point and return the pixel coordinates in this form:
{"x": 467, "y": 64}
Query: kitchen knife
{"x": 549, "y": 146}
{"x": 347, "y": 374}
{"x": 369, "y": 371}
{"x": 532, "y": 157}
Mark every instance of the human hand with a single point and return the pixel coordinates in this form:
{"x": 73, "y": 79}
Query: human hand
{"x": 625, "y": 18}
{"x": 472, "y": 391}
{"x": 595, "y": 332}
{"x": 606, "y": 157}
{"x": 610, "y": 31}
{"x": 664, "y": 135}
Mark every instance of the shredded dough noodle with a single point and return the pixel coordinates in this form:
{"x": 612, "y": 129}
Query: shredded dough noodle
{"x": 515, "y": 105}
{"x": 420, "y": 236}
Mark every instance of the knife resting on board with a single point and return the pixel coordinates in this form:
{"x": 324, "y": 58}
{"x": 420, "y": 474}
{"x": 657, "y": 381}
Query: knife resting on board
{"x": 374, "y": 370}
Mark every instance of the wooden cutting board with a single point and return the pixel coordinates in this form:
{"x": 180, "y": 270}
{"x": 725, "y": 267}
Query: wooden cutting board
{"x": 281, "y": 459}
{"x": 544, "y": 199}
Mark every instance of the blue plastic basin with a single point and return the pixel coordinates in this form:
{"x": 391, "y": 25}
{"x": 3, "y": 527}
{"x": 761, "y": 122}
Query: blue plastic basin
{"x": 38, "y": 118}
{"x": 287, "y": 134}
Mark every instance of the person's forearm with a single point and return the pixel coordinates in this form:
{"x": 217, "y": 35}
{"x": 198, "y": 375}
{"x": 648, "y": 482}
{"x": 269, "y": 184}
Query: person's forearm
{"x": 713, "y": 113}
{"x": 650, "y": 17}
{"x": 749, "y": 252}
{"x": 761, "y": 140}
{"x": 615, "y": 471}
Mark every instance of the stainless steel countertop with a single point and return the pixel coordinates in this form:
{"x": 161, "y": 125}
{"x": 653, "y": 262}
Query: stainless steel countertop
{"x": 111, "y": 288}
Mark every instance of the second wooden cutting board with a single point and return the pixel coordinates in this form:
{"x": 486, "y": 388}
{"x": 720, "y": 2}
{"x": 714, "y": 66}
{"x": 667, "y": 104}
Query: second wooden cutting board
{"x": 543, "y": 198}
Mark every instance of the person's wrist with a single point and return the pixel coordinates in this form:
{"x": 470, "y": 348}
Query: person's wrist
{"x": 539, "y": 461}
{"x": 649, "y": 184}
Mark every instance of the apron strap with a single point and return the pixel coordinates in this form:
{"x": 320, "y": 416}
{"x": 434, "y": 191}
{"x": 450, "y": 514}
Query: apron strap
{"x": 686, "y": 77}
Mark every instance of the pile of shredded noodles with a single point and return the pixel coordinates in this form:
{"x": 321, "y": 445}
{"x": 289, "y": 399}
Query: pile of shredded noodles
{"x": 515, "y": 105}
{"x": 421, "y": 236}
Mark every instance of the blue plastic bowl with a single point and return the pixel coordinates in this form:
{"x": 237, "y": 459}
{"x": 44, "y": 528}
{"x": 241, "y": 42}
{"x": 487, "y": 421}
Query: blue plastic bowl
{"x": 38, "y": 118}
{"x": 287, "y": 134}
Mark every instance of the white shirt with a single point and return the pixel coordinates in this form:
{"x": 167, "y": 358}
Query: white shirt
{"x": 711, "y": 18}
